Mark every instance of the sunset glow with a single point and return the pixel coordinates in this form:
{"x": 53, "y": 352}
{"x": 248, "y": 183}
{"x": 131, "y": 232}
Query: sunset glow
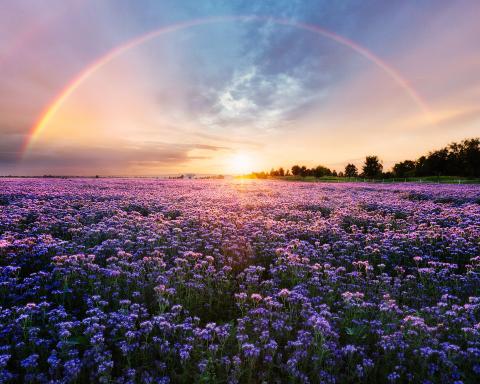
{"x": 180, "y": 94}
{"x": 241, "y": 164}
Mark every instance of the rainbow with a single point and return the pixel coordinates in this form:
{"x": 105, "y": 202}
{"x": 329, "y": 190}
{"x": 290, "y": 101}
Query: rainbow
{"x": 71, "y": 87}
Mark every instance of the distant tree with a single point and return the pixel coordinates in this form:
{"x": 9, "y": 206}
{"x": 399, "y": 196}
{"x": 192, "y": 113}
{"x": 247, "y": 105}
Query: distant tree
{"x": 456, "y": 164}
{"x": 470, "y": 157}
{"x": 304, "y": 171}
{"x": 296, "y": 170}
{"x": 320, "y": 171}
{"x": 404, "y": 169}
{"x": 372, "y": 167}
{"x": 351, "y": 170}
{"x": 422, "y": 167}
{"x": 456, "y": 159}
{"x": 464, "y": 158}
{"x": 334, "y": 173}
{"x": 438, "y": 162}
{"x": 341, "y": 174}
{"x": 277, "y": 172}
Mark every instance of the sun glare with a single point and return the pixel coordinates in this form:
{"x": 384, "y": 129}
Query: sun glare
{"x": 241, "y": 164}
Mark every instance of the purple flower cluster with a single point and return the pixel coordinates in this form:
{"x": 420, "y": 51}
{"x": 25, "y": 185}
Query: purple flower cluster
{"x": 150, "y": 281}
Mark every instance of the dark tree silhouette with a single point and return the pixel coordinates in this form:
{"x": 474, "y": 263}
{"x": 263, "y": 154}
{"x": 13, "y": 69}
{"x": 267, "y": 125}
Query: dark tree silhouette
{"x": 296, "y": 170}
{"x": 404, "y": 169}
{"x": 351, "y": 170}
{"x": 320, "y": 171}
{"x": 277, "y": 172}
{"x": 372, "y": 167}
{"x": 457, "y": 159}
{"x": 304, "y": 171}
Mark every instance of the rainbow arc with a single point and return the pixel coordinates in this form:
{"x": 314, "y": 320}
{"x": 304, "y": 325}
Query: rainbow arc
{"x": 73, "y": 85}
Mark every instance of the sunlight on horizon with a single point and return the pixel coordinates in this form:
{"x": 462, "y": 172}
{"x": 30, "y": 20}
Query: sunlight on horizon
{"x": 241, "y": 164}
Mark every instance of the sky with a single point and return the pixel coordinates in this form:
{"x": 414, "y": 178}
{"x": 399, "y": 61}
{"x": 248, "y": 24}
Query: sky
{"x": 116, "y": 87}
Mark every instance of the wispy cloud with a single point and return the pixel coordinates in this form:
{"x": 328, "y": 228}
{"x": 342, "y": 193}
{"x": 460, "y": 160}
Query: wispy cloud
{"x": 257, "y": 102}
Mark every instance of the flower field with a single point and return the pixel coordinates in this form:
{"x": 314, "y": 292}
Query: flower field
{"x": 208, "y": 281}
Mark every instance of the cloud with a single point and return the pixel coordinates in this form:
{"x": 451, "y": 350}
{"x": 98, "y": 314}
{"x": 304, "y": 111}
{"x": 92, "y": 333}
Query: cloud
{"x": 114, "y": 159}
{"x": 210, "y": 147}
{"x": 257, "y": 102}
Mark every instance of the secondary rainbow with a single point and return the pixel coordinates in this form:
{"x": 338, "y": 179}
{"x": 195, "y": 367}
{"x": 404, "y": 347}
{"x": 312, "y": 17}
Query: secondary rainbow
{"x": 70, "y": 88}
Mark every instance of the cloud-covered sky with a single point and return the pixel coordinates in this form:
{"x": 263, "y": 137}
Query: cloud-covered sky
{"x": 265, "y": 89}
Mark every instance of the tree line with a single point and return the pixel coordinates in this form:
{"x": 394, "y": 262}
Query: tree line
{"x": 456, "y": 159}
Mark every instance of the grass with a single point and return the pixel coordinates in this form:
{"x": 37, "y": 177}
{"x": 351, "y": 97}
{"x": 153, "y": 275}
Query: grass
{"x": 426, "y": 179}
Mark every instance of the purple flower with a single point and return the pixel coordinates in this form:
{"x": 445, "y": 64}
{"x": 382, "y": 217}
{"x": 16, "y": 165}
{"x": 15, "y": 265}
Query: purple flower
{"x": 30, "y": 362}
{"x": 73, "y": 367}
{"x": 4, "y": 360}
{"x": 250, "y": 351}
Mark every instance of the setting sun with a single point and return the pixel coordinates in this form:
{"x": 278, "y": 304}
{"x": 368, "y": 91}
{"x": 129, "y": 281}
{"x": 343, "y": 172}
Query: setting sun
{"x": 240, "y": 164}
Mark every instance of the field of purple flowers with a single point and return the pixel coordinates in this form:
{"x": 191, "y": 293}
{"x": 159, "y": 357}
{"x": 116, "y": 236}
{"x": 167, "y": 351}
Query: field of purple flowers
{"x": 150, "y": 281}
